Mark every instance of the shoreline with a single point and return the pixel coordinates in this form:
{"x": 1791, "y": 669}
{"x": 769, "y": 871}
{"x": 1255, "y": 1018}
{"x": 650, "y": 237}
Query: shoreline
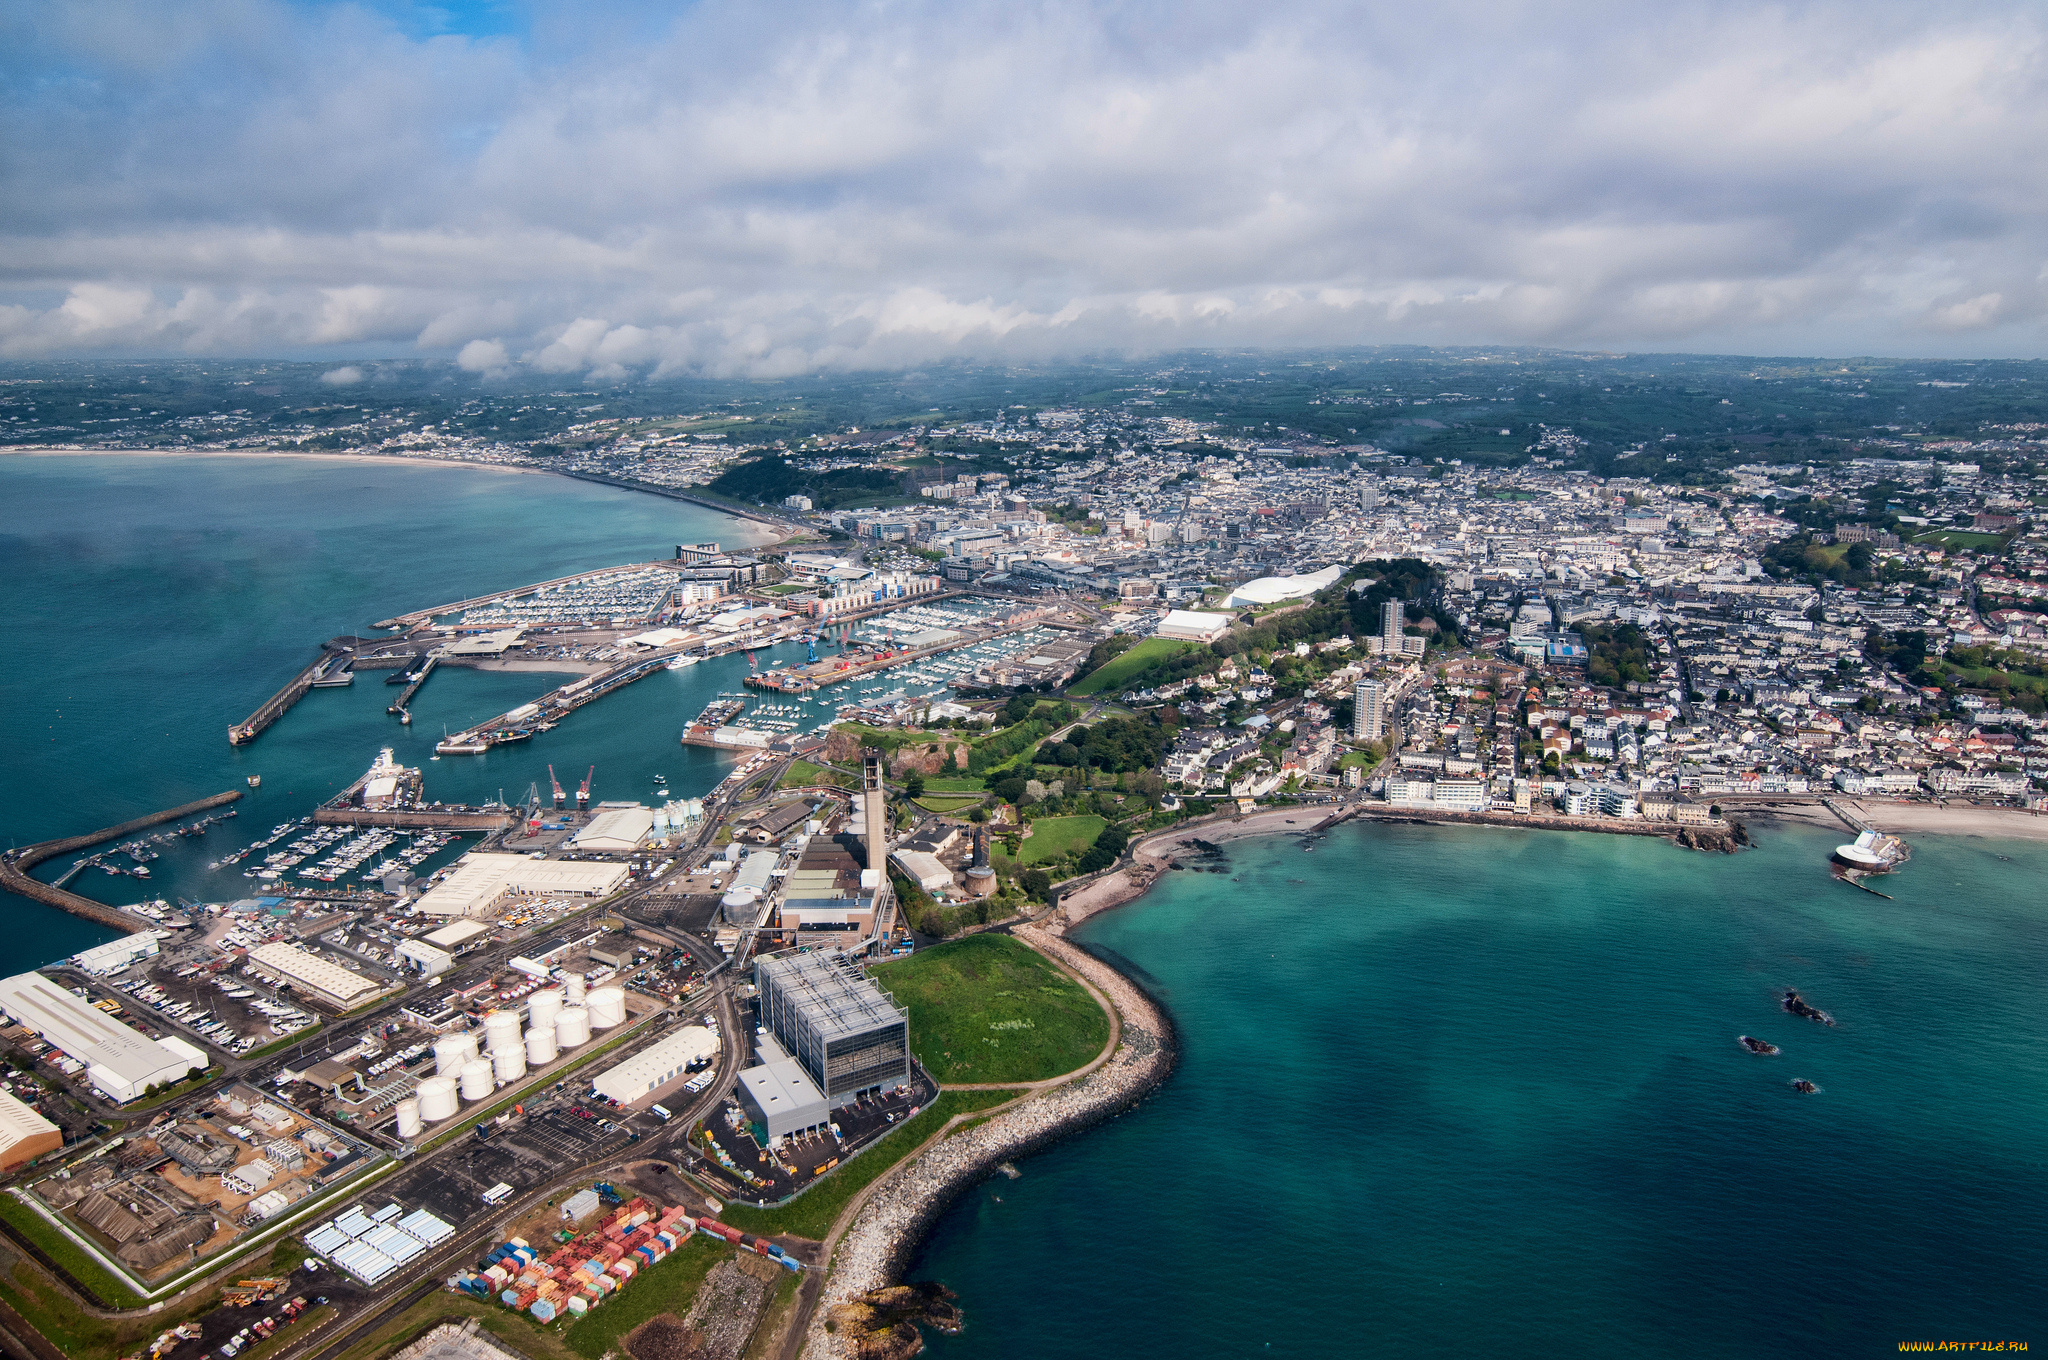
{"x": 767, "y": 530}
{"x": 911, "y": 1196}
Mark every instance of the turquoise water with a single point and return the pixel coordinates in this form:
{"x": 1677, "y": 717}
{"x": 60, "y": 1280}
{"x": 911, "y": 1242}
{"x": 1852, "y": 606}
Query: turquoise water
{"x": 1450, "y": 1090}
{"x": 154, "y": 601}
{"x": 1441, "y": 1086}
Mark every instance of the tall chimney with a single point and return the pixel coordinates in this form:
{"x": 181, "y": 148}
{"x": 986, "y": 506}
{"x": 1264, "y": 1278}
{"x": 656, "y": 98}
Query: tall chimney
{"x": 874, "y": 799}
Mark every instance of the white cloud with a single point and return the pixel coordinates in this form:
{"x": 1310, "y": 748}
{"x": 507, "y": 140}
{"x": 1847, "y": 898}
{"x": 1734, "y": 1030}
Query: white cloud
{"x": 771, "y": 191}
{"x": 487, "y": 357}
{"x": 345, "y": 376}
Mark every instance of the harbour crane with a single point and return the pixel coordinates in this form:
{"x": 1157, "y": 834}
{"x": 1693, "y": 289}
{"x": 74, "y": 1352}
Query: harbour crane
{"x": 583, "y": 789}
{"x": 559, "y": 795}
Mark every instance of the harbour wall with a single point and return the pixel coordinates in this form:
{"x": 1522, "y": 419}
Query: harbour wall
{"x": 14, "y": 876}
{"x": 413, "y": 818}
{"x": 885, "y": 1233}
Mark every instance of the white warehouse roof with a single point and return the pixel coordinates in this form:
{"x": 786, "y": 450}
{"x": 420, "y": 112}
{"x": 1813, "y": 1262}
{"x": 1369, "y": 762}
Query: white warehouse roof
{"x": 310, "y": 970}
{"x": 656, "y": 1065}
{"x": 120, "y": 1061}
{"x": 24, "y": 1133}
{"x": 616, "y": 829}
{"x": 480, "y": 881}
{"x": 1193, "y": 625}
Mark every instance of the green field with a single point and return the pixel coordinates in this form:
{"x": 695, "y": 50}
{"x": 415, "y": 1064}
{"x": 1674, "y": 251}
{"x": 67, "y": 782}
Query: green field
{"x": 811, "y": 1214}
{"x": 945, "y": 784}
{"x": 803, "y": 774}
{"x": 1963, "y": 538}
{"x": 1052, "y": 837}
{"x": 1121, "y": 668}
{"x": 990, "y": 1008}
{"x": 944, "y": 805}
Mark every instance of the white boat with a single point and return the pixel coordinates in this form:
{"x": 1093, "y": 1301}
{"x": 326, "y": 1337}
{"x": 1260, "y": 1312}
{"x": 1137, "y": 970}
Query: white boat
{"x": 676, "y": 663}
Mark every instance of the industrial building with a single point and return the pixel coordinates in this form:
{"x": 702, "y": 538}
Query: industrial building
{"x": 1193, "y": 625}
{"x": 656, "y": 1065}
{"x": 481, "y": 881}
{"x": 425, "y": 957}
{"x": 781, "y": 1096}
{"x": 310, "y": 973}
{"x": 120, "y": 1062}
{"x": 840, "y": 1028}
{"x": 615, "y": 829}
{"x": 24, "y": 1134}
{"x": 103, "y": 960}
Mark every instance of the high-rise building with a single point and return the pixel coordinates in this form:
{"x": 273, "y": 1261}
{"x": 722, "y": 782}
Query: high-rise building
{"x": 1368, "y": 711}
{"x": 1392, "y": 621}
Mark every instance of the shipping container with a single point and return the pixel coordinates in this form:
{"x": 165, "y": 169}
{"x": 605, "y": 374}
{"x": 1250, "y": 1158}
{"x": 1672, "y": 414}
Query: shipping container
{"x": 543, "y": 1310}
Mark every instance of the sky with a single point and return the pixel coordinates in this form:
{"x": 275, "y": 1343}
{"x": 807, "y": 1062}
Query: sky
{"x": 619, "y": 189}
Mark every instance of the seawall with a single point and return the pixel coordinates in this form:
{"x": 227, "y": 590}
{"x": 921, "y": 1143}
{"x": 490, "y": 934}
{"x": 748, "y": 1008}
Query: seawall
{"x": 885, "y": 1233}
{"x": 14, "y": 867}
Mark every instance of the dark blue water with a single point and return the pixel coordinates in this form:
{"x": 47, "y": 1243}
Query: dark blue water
{"x": 1459, "y": 1091}
{"x": 155, "y": 600}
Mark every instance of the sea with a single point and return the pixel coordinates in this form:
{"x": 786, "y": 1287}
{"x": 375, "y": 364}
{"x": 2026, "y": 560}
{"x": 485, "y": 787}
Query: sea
{"x": 1441, "y": 1089}
{"x": 1473, "y": 1091}
{"x": 155, "y": 600}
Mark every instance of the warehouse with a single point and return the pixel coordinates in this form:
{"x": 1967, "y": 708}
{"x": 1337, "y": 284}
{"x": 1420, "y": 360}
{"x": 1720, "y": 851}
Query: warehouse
{"x": 121, "y": 1063}
{"x": 324, "y": 981}
{"x": 656, "y": 1065}
{"x": 825, "y": 1012}
{"x": 1193, "y": 625}
{"x": 781, "y": 1097}
{"x": 481, "y": 881}
{"x": 24, "y": 1134}
{"x": 615, "y": 830}
{"x": 103, "y": 960}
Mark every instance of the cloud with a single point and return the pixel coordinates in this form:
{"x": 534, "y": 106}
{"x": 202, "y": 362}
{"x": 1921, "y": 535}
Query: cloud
{"x": 487, "y": 357}
{"x": 345, "y": 376}
{"x": 730, "y": 189}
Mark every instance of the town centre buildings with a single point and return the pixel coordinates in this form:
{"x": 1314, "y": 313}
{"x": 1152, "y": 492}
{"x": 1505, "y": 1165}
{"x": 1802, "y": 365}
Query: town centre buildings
{"x": 120, "y": 1062}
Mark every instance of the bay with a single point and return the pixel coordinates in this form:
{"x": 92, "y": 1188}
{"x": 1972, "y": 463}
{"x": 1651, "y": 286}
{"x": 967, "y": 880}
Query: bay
{"x": 154, "y": 600}
{"x": 1469, "y": 1089}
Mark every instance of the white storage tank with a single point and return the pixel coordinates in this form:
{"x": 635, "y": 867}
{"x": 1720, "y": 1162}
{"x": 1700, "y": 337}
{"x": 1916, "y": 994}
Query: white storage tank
{"x": 408, "y": 1118}
{"x": 476, "y": 1079}
{"x": 543, "y": 1006}
{"x": 437, "y": 1099}
{"x": 607, "y": 1008}
{"x": 540, "y": 1045}
{"x": 572, "y": 1028}
{"x": 576, "y": 985}
{"x": 501, "y": 1031}
{"x": 451, "y": 1051}
{"x": 508, "y": 1064}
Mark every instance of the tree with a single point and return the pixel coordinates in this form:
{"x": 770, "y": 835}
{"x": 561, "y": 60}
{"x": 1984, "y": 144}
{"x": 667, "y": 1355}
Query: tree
{"x": 913, "y": 784}
{"x": 1037, "y": 883}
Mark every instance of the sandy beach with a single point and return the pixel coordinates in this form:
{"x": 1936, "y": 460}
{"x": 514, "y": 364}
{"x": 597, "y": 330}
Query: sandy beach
{"x": 757, "y": 531}
{"x": 1903, "y": 816}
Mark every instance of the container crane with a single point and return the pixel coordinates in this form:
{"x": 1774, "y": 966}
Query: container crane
{"x": 559, "y": 795}
{"x": 583, "y": 790}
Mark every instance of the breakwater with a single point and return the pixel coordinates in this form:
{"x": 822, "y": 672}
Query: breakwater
{"x": 14, "y": 866}
{"x": 905, "y": 1203}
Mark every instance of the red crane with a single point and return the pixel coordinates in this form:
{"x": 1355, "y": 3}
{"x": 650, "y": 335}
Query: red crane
{"x": 583, "y": 789}
{"x": 559, "y": 795}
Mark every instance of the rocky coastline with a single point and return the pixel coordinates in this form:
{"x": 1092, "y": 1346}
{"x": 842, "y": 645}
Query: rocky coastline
{"x": 879, "y": 1242}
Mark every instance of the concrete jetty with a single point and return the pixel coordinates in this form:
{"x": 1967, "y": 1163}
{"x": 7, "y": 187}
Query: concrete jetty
{"x": 14, "y": 866}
